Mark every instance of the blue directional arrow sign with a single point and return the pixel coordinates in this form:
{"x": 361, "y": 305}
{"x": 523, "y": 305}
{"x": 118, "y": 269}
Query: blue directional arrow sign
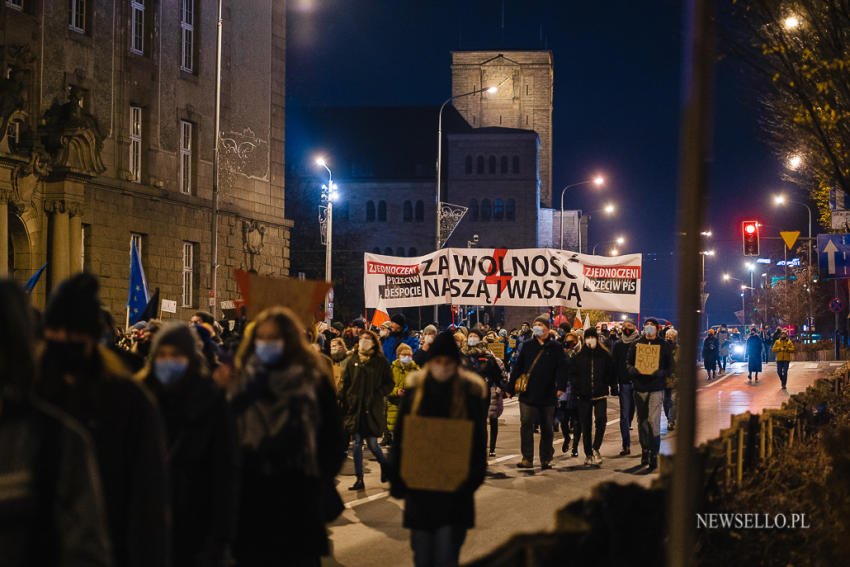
{"x": 834, "y": 255}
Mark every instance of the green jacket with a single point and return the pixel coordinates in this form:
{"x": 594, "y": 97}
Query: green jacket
{"x": 400, "y": 373}
{"x": 363, "y": 386}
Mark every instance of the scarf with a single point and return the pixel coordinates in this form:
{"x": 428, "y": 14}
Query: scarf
{"x": 629, "y": 340}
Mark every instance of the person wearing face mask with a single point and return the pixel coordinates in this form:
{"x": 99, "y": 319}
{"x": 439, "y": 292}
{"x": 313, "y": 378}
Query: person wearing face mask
{"x": 592, "y": 377}
{"x": 420, "y": 355}
{"x": 338, "y": 356}
{"x": 567, "y": 408}
{"x": 783, "y": 347}
{"x": 366, "y": 379}
{"x": 88, "y": 381}
{"x": 398, "y": 334}
{"x": 755, "y": 347}
{"x": 478, "y": 358}
{"x": 439, "y": 521}
{"x": 402, "y": 366}
{"x": 291, "y": 443}
{"x": 545, "y": 363}
{"x": 624, "y": 379}
{"x": 649, "y": 393}
{"x": 671, "y": 396}
{"x": 202, "y": 450}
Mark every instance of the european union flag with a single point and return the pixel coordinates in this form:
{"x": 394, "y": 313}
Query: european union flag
{"x": 138, "y": 296}
{"x": 34, "y": 279}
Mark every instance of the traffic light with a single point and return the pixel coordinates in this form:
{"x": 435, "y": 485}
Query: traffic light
{"x": 750, "y": 232}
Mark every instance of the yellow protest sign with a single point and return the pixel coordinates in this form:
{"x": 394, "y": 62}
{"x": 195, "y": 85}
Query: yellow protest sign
{"x": 498, "y": 349}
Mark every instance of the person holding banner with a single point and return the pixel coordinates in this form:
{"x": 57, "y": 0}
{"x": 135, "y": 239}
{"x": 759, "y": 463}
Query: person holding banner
{"x": 539, "y": 373}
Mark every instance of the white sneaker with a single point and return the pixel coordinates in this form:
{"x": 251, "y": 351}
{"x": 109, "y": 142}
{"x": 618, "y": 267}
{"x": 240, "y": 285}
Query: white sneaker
{"x": 588, "y": 461}
{"x": 597, "y": 458}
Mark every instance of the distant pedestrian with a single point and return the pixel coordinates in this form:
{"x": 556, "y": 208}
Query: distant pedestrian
{"x": 709, "y": 354}
{"x": 396, "y": 334}
{"x": 420, "y": 355}
{"x": 783, "y": 347}
{"x": 477, "y": 357}
{"x": 439, "y": 520}
{"x": 723, "y": 341}
{"x": 567, "y": 409}
{"x": 624, "y": 378}
{"x": 755, "y": 347}
{"x": 671, "y": 395}
{"x": 401, "y": 367}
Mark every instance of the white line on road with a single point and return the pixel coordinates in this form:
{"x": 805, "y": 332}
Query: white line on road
{"x": 613, "y": 421}
{"x": 372, "y": 498}
{"x": 502, "y": 459}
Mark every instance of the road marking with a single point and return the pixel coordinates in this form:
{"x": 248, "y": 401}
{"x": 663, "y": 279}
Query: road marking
{"x": 719, "y": 380}
{"x": 613, "y": 421}
{"x": 812, "y": 366}
{"x": 501, "y": 459}
{"x": 372, "y": 498}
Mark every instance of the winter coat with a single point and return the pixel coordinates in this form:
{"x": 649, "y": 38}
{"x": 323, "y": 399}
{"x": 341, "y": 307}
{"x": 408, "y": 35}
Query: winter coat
{"x": 428, "y": 510}
{"x": 392, "y": 342}
{"x": 481, "y": 360}
{"x": 783, "y": 349}
{"x": 548, "y": 376}
{"x": 400, "y": 373}
{"x": 656, "y": 381}
{"x": 285, "y": 488}
{"x": 59, "y": 518}
{"x": 124, "y": 423}
{"x": 709, "y": 348}
{"x": 673, "y": 378}
{"x": 203, "y": 462}
{"x": 755, "y": 347}
{"x": 591, "y": 374}
{"x": 620, "y": 355}
{"x": 363, "y": 387}
{"x": 723, "y": 343}
{"x": 420, "y": 356}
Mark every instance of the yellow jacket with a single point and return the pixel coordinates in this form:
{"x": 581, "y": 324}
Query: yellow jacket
{"x": 783, "y": 349}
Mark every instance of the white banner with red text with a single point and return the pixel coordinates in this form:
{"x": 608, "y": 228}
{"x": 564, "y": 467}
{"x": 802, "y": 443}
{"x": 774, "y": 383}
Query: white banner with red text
{"x": 531, "y": 277}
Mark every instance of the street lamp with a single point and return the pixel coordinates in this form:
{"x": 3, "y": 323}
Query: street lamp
{"x": 330, "y": 193}
{"x": 791, "y": 22}
{"x": 612, "y": 252}
{"x": 726, "y": 278}
{"x": 597, "y": 181}
{"x": 795, "y": 161}
{"x": 706, "y": 233}
{"x": 609, "y": 209}
{"x": 620, "y": 240}
{"x": 780, "y": 200}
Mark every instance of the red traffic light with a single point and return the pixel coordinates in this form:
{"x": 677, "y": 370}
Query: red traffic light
{"x": 750, "y": 228}
{"x": 750, "y": 234}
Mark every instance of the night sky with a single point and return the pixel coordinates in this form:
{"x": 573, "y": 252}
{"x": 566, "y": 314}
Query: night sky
{"x": 616, "y": 109}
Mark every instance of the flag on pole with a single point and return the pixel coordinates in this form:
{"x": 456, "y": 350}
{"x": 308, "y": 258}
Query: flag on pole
{"x": 380, "y": 316}
{"x": 587, "y": 321}
{"x": 34, "y": 279}
{"x": 151, "y": 309}
{"x": 577, "y": 324}
{"x": 137, "y": 296}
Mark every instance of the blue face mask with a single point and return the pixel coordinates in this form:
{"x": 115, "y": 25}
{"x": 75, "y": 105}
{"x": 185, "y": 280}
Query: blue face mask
{"x": 268, "y": 352}
{"x": 170, "y": 370}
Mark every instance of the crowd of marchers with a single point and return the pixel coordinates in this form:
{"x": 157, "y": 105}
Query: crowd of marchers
{"x": 207, "y": 443}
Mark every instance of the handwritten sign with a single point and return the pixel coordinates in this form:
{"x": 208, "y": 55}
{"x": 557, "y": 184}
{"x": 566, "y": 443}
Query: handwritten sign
{"x": 512, "y": 343}
{"x": 647, "y": 358}
{"x": 498, "y": 349}
{"x": 169, "y": 306}
{"x": 427, "y": 463}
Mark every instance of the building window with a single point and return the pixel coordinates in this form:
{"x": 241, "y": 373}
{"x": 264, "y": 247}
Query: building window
{"x": 136, "y": 143}
{"x": 468, "y": 165}
{"x": 187, "y": 38}
{"x": 186, "y": 157}
{"x": 510, "y": 210}
{"x": 13, "y": 131}
{"x": 412, "y": 252}
{"x": 137, "y": 240}
{"x": 84, "y": 243}
{"x": 479, "y": 165}
{"x": 388, "y": 251}
{"x": 473, "y": 209}
{"x": 407, "y": 211}
{"x": 420, "y": 211}
{"x": 399, "y": 251}
{"x": 485, "y": 209}
{"x": 492, "y": 164}
{"x": 188, "y": 273}
{"x": 516, "y": 164}
{"x": 498, "y": 209}
{"x": 382, "y": 211}
{"x": 137, "y": 26}
{"x": 77, "y": 16}
{"x": 16, "y": 4}
{"x": 504, "y": 165}
{"x": 370, "y": 211}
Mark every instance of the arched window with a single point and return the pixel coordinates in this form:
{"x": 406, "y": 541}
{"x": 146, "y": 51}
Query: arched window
{"x": 498, "y": 209}
{"x": 412, "y": 252}
{"x": 420, "y": 211}
{"x": 399, "y": 251}
{"x": 370, "y": 211}
{"x": 510, "y": 210}
{"x": 407, "y": 213}
{"x": 485, "y": 209}
{"x": 376, "y": 250}
{"x": 388, "y": 251}
{"x": 516, "y": 164}
{"x": 504, "y": 164}
{"x": 492, "y": 164}
{"x": 468, "y": 166}
{"x": 479, "y": 165}
{"x": 473, "y": 210}
{"x": 382, "y": 211}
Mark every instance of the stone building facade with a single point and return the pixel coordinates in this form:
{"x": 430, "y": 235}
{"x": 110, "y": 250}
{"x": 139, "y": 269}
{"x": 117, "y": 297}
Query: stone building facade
{"x": 107, "y": 135}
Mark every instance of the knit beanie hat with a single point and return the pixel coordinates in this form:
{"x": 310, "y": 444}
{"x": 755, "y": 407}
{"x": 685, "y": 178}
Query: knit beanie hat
{"x": 591, "y": 332}
{"x": 74, "y": 306}
{"x": 444, "y": 345}
{"x": 399, "y": 319}
{"x": 179, "y": 335}
{"x": 543, "y": 319}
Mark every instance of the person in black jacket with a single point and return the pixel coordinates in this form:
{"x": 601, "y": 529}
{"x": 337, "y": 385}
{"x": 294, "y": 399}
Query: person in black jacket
{"x": 477, "y": 357}
{"x": 439, "y": 520}
{"x": 202, "y": 453}
{"x": 592, "y": 377}
{"x": 545, "y": 362}
{"x": 649, "y": 393}
{"x": 624, "y": 379}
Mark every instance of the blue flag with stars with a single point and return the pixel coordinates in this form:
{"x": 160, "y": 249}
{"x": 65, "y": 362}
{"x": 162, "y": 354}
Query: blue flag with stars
{"x": 138, "y": 296}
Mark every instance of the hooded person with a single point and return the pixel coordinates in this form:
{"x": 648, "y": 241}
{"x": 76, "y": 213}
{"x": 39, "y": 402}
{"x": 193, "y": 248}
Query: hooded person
{"x": 402, "y": 366}
{"x": 202, "y": 449}
{"x": 439, "y": 520}
{"x": 54, "y": 513}
{"x": 366, "y": 379}
{"x": 89, "y": 382}
{"x": 398, "y": 334}
{"x": 624, "y": 380}
{"x": 755, "y": 346}
{"x": 670, "y": 404}
{"x": 477, "y": 357}
{"x": 710, "y": 349}
{"x": 723, "y": 342}
{"x": 420, "y": 354}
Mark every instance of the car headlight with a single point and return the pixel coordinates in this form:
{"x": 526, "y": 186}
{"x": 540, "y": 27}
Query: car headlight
{"x": 738, "y": 349}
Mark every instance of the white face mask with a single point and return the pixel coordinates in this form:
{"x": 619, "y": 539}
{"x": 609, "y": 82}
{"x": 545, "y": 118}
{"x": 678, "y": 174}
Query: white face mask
{"x": 441, "y": 372}
{"x": 649, "y": 331}
{"x": 385, "y": 332}
{"x": 591, "y": 342}
{"x": 472, "y": 341}
{"x": 537, "y": 330}
{"x": 364, "y": 345}
{"x": 429, "y": 339}
{"x": 405, "y": 360}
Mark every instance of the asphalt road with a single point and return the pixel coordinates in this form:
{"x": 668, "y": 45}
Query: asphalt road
{"x": 369, "y": 531}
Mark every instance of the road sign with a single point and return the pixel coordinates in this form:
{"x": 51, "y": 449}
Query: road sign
{"x": 836, "y": 305}
{"x": 840, "y": 220}
{"x": 790, "y": 237}
{"x": 833, "y": 250}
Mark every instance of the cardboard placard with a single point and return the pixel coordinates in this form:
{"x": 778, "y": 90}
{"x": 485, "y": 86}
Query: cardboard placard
{"x": 427, "y": 461}
{"x": 498, "y": 349}
{"x": 304, "y": 297}
{"x": 169, "y": 306}
{"x": 512, "y": 343}
{"x": 647, "y": 358}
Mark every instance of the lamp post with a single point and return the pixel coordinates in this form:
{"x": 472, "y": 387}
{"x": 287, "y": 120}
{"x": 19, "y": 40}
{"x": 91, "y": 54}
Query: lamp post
{"x": 437, "y": 201}
{"x": 794, "y": 162}
{"x": 597, "y": 181}
{"x": 620, "y": 240}
{"x": 330, "y": 194}
{"x": 703, "y": 297}
{"x": 727, "y": 277}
